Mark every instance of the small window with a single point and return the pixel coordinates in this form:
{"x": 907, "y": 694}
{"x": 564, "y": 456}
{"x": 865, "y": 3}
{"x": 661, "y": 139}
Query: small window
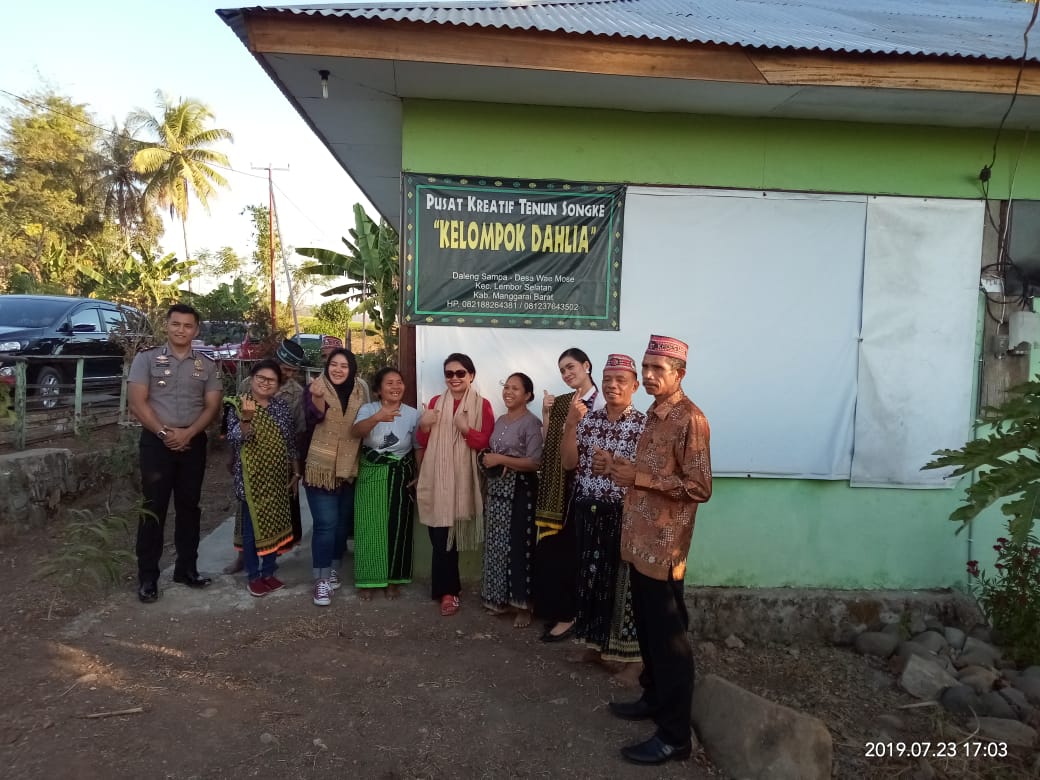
{"x": 85, "y": 321}
{"x": 112, "y": 321}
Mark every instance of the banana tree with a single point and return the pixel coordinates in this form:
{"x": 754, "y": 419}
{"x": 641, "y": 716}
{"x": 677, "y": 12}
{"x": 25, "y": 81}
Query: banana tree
{"x": 371, "y": 265}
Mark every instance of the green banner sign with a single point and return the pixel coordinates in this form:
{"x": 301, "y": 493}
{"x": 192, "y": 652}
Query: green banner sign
{"x": 489, "y": 252}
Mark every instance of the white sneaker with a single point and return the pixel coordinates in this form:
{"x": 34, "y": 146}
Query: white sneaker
{"x": 322, "y": 593}
{"x": 334, "y": 581}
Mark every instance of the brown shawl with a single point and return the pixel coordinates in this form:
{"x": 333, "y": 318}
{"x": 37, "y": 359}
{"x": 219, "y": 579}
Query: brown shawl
{"x": 448, "y": 491}
{"x": 333, "y": 455}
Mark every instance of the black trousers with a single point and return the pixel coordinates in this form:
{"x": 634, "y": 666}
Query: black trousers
{"x": 668, "y": 670}
{"x": 555, "y": 575}
{"x": 444, "y": 573}
{"x": 165, "y": 473}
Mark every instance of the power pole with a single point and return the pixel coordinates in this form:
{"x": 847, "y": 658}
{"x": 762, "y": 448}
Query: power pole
{"x": 270, "y": 236}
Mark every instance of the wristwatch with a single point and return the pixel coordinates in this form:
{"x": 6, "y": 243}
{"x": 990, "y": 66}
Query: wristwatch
{"x": 161, "y": 433}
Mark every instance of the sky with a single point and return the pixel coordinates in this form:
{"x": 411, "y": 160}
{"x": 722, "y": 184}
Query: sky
{"x": 114, "y": 54}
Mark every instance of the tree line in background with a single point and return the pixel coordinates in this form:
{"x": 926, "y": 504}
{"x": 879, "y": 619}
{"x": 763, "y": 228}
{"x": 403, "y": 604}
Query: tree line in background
{"x": 80, "y": 214}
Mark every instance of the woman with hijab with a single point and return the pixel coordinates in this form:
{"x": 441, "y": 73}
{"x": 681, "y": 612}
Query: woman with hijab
{"x": 453, "y": 429}
{"x": 331, "y": 405}
{"x": 260, "y": 428}
{"x": 384, "y": 507}
{"x": 556, "y": 554}
{"x": 511, "y": 466}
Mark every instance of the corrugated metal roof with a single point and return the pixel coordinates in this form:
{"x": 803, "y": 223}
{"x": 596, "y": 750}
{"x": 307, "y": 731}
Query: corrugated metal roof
{"x": 983, "y": 29}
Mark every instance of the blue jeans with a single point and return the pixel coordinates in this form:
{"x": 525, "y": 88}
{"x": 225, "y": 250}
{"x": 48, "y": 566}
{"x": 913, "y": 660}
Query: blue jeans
{"x": 256, "y": 565}
{"x": 333, "y": 514}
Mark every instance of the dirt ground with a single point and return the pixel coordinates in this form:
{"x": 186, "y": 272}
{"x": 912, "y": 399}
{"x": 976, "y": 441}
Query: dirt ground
{"x": 221, "y": 685}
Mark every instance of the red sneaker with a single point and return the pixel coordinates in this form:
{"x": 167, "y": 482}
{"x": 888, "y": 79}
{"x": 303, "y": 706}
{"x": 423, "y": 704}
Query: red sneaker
{"x": 258, "y": 587}
{"x": 273, "y": 583}
{"x": 449, "y": 605}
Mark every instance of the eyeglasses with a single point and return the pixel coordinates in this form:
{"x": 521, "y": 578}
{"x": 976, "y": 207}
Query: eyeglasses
{"x": 460, "y": 374}
{"x": 267, "y": 380}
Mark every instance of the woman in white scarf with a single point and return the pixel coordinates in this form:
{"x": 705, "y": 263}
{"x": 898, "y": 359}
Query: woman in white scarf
{"x": 448, "y": 491}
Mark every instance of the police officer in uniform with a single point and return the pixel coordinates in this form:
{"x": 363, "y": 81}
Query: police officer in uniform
{"x": 175, "y": 393}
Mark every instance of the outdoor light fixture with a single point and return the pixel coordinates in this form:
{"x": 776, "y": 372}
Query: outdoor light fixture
{"x": 324, "y": 83}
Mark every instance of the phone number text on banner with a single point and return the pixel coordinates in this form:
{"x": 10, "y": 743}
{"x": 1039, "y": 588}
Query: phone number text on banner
{"x": 490, "y": 252}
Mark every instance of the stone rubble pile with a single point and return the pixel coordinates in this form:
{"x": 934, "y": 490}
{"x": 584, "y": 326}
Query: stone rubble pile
{"x": 966, "y": 673}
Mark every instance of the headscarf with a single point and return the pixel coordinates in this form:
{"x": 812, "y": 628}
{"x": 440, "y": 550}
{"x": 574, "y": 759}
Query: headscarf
{"x": 344, "y": 390}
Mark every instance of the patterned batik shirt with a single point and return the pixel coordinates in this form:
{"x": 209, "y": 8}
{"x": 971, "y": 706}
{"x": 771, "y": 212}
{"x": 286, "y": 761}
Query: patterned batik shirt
{"x": 619, "y": 437}
{"x": 673, "y": 476}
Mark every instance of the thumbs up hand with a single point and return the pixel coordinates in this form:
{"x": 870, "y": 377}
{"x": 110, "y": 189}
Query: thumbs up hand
{"x": 548, "y": 399}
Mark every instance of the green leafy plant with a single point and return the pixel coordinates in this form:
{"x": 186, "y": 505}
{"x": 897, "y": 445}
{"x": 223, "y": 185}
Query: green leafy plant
{"x": 95, "y": 546}
{"x": 1010, "y": 599}
{"x": 6, "y": 401}
{"x": 1005, "y": 461}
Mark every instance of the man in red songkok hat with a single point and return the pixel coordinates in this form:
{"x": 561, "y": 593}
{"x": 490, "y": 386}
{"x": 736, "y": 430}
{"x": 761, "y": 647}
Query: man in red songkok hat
{"x": 670, "y": 477}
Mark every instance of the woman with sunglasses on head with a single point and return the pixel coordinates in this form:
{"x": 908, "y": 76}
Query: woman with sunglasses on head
{"x": 384, "y": 507}
{"x": 331, "y": 404}
{"x": 261, "y": 430}
{"x": 556, "y": 557}
{"x": 511, "y": 466}
{"x": 453, "y": 428}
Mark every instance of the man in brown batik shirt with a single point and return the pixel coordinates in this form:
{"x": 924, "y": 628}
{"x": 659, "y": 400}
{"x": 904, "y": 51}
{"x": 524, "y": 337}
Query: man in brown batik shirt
{"x": 671, "y": 475}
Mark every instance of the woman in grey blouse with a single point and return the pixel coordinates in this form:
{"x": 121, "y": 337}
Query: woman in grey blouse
{"x": 511, "y": 465}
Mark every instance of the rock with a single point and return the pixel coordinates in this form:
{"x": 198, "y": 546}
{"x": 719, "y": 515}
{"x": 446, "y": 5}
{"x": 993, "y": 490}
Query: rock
{"x": 996, "y": 706}
{"x": 1014, "y": 697}
{"x": 707, "y": 649}
{"x": 268, "y": 739}
{"x": 932, "y": 623}
{"x": 978, "y": 678}
{"x": 981, "y": 632}
{"x": 1032, "y": 671}
{"x": 1030, "y": 686}
{"x": 917, "y": 624}
{"x": 748, "y": 736}
{"x": 794, "y": 652}
{"x": 961, "y": 700}
{"x": 930, "y": 640}
{"x": 209, "y": 712}
{"x": 924, "y": 678}
{"x": 978, "y": 652}
{"x": 876, "y": 643}
{"x": 1002, "y": 730}
{"x": 896, "y": 630}
{"x": 85, "y": 679}
{"x": 955, "y": 637}
{"x": 906, "y": 649}
{"x": 733, "y": 642}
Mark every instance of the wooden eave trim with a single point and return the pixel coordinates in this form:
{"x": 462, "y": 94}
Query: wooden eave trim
{"x": 270, "y": 33}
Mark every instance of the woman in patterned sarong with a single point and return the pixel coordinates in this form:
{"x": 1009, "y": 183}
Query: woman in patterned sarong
{"x": 384, "y": 507}
{"x": 266, "y": 471}
{"x": 556, "y": 551}
{"x": 605, "y": 622}
{"x": 511, "y": 466}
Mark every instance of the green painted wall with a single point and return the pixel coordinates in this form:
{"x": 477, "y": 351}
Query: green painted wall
{"x": 755, "y": 532}
{"x": 781, "y": 154}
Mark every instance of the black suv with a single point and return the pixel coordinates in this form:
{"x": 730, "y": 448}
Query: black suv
{"x": 36, "y": 326}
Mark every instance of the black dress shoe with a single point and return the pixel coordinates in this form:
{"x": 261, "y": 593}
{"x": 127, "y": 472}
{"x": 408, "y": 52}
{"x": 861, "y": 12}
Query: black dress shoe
{"x": 656, "y": 751}
{"x": 632, "y": 710}
{"x": 192, "y": 580}
{"x": 148, "y": 592}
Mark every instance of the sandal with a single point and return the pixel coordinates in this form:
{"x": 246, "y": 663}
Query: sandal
{"x": 449, "y": 605}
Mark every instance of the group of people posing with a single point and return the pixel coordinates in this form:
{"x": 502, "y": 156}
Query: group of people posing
{"x": 584, "y": 515}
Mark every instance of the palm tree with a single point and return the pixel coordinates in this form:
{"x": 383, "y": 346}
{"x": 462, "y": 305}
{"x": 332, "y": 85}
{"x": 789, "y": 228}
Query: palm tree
{"x": 373, "y": 267}
{"x": 119, "y": 185}
{"x": 180, "y": 162}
